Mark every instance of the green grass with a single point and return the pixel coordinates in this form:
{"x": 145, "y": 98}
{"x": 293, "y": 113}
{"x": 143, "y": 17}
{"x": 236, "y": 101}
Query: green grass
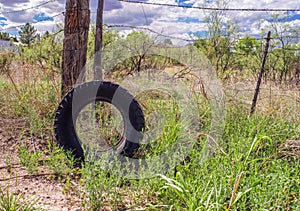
{"x": 9, "y": 201}
{"x": 265, "y": 182}
{"x": 245, "y": 172}
{"x": 249, "y": 176}
{"x": 31, "y": 105}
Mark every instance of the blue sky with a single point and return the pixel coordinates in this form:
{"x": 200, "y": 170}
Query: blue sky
{"x": 184, "y": 2}
{"x": 42, "y": 17}
{"x": 175, "y": 22}
{"x": 285, "y": 17}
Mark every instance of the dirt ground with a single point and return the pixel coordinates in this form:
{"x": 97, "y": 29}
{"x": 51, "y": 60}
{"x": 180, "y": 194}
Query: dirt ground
{"x": 15, "y": 178}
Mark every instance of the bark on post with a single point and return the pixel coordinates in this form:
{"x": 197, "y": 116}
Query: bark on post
{"x": 98, "y": 42}
{"x": 77, "y": 21}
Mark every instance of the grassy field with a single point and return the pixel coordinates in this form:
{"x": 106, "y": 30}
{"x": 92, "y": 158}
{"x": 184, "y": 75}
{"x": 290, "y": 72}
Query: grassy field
{"x": 255, "y": 167}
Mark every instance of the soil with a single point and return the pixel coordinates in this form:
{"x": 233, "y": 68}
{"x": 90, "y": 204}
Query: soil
{"x": 49, "y": 192}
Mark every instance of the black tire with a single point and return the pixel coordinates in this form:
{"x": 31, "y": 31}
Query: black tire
{"x": 94, "y": 91}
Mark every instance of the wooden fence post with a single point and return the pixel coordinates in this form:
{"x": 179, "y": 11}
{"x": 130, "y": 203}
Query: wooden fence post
{"x": 77, "y": 21}
{"x": 98, "y": 42}
{"x": 262, "y": 70}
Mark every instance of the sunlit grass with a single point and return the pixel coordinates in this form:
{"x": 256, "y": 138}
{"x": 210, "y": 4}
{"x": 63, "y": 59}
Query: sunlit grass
{"x": 244, "y": 173}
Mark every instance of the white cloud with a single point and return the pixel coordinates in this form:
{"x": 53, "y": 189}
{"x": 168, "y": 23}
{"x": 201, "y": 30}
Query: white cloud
{"x": 158, "y": 18}
{"x": 18, "y": 18}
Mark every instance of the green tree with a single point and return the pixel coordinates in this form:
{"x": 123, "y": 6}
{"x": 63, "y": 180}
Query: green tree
{"x": 221, "y": 33}
{"x": 47, "y": 34}
{"x": 129, "y": 54}
{"x": 4, "y": 36}
{"x": 139, "y": 44}
{"x": 27, "y": 34}
{"x": 108, "y": 37}
{"x": 248, "y": 45}
{"x": 282, "y": 58}
{"x": 248, "y": 56}
{"x": 47, "y": 52}
{"x": 167, "y": 42}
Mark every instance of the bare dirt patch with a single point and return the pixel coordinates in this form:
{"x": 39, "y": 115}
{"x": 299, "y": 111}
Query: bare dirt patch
{"x": 50, "y": 192}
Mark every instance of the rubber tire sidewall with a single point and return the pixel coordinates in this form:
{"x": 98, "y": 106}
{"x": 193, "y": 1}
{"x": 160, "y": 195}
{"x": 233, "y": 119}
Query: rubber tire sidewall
{"x": 94, "y": 91}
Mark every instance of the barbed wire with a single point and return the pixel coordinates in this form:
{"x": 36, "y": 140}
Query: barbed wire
{"x": 28, "y": 8}
{"x": 278, "y": 38}
{"x": 150, "y": 30}
{"x": 213, "y": 8}
{"x": 193, "y": 40}
{"x": 34, "y": 22}
{"x": 139, "y": 27}
{"x": 144, "y": 28}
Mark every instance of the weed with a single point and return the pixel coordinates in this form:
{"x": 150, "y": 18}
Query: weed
{"x": 245, "y": 172}
{"x": 8, "y": 163}
{"x": 59, "y": 162}
{"x": 29, "y": 159}
{"x": 10, "y": 201}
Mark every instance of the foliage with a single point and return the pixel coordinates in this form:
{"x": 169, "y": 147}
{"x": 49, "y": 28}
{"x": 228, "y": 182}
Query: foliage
{"x": 218, "y": 51}
{"x": 282, "y": 60}
{"x": 221, "y": 32}
{"x": 9, "y": 201}
{"x": 47, "y": 52}
{"x": 6, "y": 58}
{"x": 108, "y": 37}
{"x": 168, "y": 42}
{"x": 248, "y": 45}
{"x": 131, "y": 54}
{"x": 99, "y": 186}
{"x": 245, "y": 173}
{"x": 138, "y": 44}
{"x": 32, "y": 103}
{"x": 246, "y": 177}
{"x": 29, "y": 160}
{"x": 283, "y": 56}
{"x": 242, "y": 58}
{"x": 27, "y": 34}
{"x": 247, "y": 57}
{"x": 4, "y": 36}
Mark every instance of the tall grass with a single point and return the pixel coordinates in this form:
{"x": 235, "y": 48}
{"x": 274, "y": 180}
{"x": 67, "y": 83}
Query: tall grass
{"x": 9, "y": 201}
{"x": 245, "y": 172}
{"x": 30, "y": 104}
{"x": 249, "y": 176}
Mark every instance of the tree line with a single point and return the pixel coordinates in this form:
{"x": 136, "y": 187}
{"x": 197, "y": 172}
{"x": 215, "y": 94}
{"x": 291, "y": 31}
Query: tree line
{"x": 232, "y": 58}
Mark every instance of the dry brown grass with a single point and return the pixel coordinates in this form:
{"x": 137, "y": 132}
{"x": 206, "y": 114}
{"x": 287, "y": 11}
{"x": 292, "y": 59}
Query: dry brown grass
{"x": 282, "y": 100}
{"x": 290, "y": 148}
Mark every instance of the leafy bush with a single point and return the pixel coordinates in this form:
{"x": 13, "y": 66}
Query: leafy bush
{"x": 6, "y": 58}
